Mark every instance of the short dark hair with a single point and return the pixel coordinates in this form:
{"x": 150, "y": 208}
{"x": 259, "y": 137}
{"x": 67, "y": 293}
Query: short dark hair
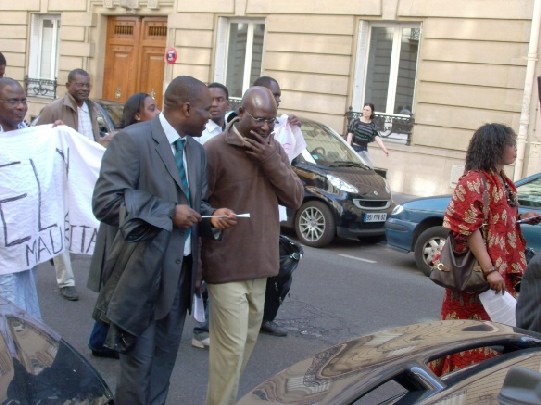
{"x": 2, "y": 59}
{"x": 75, "y": 72}
{"x": 216, "y": 85}
{"x": 487, "y": 146}
{"x": 264, "y": 81}
{"x": 182, "y": 89}
{"x": 133, "y": 105}
{"x": 8, "y": 81}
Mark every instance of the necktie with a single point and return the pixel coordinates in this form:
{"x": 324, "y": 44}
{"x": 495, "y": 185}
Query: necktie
{"x": 179, "y": 157}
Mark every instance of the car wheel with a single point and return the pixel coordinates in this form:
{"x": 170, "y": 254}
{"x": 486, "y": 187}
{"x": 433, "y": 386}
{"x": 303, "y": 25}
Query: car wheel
{"x": 427, "y": 244}
{"x": 314, "y": 224}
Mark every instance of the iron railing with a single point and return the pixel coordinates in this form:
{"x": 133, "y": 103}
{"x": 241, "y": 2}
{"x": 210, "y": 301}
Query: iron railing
{"x": 388, "y": 124}
{"x": 43, "y": 88}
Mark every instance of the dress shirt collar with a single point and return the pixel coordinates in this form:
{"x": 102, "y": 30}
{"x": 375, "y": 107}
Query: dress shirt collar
{"x": 170, "y": 133}
{"x": 20, "y": 126}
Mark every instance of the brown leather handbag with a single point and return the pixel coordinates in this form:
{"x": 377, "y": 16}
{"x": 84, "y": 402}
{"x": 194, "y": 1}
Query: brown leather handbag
{"x": 461, "y": 272}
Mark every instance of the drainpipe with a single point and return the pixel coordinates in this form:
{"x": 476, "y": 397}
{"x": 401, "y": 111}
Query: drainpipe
{"x": 524, "y": 121}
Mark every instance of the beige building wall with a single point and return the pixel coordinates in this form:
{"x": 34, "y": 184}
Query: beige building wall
{"x": 471, "y": 67}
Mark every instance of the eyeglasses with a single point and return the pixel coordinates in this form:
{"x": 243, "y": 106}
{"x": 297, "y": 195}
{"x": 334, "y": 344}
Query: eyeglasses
{"x": 261, "y": 120}
{"x": 13, "y": 102}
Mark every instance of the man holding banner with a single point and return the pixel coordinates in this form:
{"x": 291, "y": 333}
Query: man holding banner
{"x": 18, "y": 287}
{"x": 76, "y": 111}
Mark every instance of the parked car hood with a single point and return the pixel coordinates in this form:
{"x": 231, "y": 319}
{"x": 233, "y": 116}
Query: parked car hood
{"x": 341, "y": 372}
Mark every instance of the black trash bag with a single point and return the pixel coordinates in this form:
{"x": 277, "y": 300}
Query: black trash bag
{"x": 278, "y": 287}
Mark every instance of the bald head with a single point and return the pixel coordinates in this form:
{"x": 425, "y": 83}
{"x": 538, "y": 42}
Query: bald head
{"x": 271, "y": 84}
{"x": 258, "y": 97}
{"x": 257, "y": 112}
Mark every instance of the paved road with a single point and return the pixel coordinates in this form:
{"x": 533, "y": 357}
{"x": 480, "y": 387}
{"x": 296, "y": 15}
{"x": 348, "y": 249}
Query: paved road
{"x": 346, "y": 290}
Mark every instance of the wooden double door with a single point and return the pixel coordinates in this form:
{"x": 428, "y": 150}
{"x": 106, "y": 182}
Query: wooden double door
{"x": 134, "y": 57}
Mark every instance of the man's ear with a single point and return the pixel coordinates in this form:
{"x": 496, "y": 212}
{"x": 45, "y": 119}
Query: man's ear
{"x": 186, "y": 108}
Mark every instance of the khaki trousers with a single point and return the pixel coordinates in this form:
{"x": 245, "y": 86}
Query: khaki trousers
{"x": 64, "y": 272}
{"x": 236, "y": 313}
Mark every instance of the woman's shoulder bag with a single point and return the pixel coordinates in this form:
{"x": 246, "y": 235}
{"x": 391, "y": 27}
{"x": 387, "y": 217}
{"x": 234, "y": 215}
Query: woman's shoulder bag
{"x": 461, "y": 272}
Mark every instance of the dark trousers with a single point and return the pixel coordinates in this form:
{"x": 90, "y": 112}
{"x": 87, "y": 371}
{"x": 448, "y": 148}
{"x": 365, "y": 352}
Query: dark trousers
{"x": 98, "y": 335}
{"x": 145, "y": 371}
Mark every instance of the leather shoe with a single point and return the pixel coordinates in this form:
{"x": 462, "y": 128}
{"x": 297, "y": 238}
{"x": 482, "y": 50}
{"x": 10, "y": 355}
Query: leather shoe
{"x": 270, "y": 328}
{"x": 105, "y": 352}
{"x": 69, "y": 293}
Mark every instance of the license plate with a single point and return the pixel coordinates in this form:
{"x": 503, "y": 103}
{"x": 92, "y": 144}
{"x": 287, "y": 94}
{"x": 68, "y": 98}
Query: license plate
{"x": 375, "y": 217}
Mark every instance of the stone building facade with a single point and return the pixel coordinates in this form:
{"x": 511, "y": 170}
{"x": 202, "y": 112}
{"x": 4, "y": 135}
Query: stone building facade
{"x": 451, "y": 66}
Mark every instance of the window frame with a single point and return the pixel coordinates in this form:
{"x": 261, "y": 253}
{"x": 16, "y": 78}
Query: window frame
{"x": 36, "y": 45}
{"x": 361, "y": 61}
{"x": 222, "y": 48}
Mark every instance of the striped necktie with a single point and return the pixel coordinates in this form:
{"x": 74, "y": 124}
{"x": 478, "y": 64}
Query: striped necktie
{"x": 179, "y": 157}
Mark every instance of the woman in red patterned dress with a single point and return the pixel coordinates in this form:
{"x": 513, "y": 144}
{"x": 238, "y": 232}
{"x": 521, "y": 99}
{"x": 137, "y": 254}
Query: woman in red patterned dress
{"x": 501, "y": 256}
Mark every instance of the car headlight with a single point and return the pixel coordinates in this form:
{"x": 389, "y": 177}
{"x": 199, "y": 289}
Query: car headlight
{"x": 397, "y": 209}
{"x": 340, "y": 184}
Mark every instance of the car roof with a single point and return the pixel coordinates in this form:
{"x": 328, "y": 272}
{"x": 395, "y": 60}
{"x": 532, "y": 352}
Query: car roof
{"x": 360, "y": 364}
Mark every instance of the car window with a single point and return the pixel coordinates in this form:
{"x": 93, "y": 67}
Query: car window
{"x": 114, "y": 111}
{"x": 529, "y": 194}
{"x": 325, "y": 146}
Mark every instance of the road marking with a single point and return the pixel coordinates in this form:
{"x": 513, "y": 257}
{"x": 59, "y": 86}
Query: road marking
{"x": 357, "y": 258}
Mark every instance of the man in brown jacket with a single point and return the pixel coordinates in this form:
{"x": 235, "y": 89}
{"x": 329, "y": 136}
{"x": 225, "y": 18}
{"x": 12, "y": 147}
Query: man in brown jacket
{"x": 249, "y": 172}
{"x": 74, "y": 110}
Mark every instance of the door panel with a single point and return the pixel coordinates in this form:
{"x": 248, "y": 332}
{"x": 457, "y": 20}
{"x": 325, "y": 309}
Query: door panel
{"x": 134, "y": 57}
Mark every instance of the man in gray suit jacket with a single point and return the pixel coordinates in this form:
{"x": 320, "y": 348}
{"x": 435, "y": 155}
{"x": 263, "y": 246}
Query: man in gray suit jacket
{"x": 155, "y": 255}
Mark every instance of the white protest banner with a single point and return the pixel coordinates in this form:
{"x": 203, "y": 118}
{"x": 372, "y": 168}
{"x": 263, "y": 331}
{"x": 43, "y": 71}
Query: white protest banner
{"x": 47, "y": 176}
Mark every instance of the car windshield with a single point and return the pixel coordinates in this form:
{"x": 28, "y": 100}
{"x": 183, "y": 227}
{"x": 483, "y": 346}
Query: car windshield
{"x": 115, "y": 112}
{"x": 325, "y": 147}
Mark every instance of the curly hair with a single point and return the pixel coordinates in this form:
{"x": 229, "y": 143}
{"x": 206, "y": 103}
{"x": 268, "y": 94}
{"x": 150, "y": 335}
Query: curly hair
{"x": 487, "y": 146}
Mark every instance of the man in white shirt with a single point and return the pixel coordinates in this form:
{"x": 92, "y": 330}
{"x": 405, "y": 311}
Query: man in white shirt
{"x": 220, "y": 105}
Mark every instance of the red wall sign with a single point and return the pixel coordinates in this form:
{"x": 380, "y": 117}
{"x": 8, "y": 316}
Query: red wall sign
{"x": 171, "y": 55}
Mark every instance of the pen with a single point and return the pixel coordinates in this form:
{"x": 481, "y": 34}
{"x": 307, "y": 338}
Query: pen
{"x": 247, "y": 215}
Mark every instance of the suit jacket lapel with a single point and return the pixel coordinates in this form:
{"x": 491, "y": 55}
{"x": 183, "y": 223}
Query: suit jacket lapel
{"x": 163, "y": 149}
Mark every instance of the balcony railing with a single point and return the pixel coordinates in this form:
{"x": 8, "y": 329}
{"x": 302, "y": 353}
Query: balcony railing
{"x": 42, "y": 88}
{"x": 392, "y": 126}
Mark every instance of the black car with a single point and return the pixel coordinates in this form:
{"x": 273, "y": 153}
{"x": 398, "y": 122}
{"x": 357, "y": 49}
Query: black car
{"x": 342, "y": 196}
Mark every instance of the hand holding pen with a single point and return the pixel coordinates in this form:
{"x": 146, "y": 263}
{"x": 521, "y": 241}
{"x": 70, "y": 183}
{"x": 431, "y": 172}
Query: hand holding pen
{"x": 223, "y": 218}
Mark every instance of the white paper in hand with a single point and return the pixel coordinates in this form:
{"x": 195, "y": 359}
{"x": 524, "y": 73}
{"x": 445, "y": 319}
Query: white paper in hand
{"x": 500, "y": 308}
{"x": 198, "y": 308}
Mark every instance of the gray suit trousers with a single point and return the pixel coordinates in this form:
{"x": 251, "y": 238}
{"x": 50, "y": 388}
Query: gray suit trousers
{"x": 145, "y": 371}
